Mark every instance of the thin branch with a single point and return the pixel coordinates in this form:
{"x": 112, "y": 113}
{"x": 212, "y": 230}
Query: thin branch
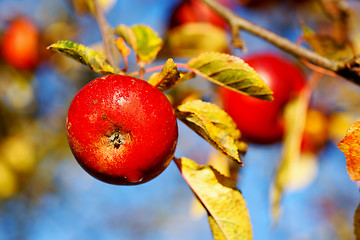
{"x": 107, "y": 36}
{"x": 341, "y": 68}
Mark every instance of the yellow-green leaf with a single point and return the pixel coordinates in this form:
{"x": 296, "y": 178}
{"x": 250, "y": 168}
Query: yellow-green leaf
{"x": 227, "y": 213}
{"x": 295, "y": 118}
{"x": 350, "y": 146}
{"x": 167, "y": 78}
{"x": 231, "y": 72}
{"x": 84, "y": 55}
{"x": 213, "y": 124}
{"x": 143, "y": 40}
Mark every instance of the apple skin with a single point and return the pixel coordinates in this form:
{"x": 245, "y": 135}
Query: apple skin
{"x": 20, "y": 44}
{"x": 122, "y": 130}
{"x": 190, "y": 11}
{"x": 261, "y": 121}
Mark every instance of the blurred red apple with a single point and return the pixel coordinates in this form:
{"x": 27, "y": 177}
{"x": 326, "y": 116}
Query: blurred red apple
{"x": 20, "y": 44}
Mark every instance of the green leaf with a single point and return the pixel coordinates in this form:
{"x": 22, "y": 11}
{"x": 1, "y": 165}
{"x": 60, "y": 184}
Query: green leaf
{"x": 167, "y": 78}
{"x": 84, "y": 55}
{"x": 231, "y": 72}
{"x": 213, "y": 124}
{"x": 143, "y": 40}
{"x": 227, "y": 213}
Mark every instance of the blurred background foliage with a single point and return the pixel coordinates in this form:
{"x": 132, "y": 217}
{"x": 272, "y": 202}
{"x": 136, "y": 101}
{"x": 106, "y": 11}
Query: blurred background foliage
{"x": 44, "y": 194}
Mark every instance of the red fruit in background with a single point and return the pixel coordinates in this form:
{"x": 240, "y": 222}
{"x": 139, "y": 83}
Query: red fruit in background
{"x": 262, "y": 121}
{"x": 190, "y": 11}
{"x": 20, "y": 44}
{"x": 122, "y": 130}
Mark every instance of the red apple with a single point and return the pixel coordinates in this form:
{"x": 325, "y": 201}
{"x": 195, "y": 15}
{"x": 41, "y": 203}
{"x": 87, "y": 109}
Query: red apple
{"x": 262, "y": 121}
{"x": 122, "y": 130}
{"x": 20, "y": 44}
{"x": 190, "y": 11}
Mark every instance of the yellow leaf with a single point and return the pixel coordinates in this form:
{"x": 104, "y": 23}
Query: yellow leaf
{"x": 213, "y": 124}
{"x": 167, "y": 78}
{"x": 295, "y": 118}
{"x": 121, "y": 46}
{"x": 226, "y": 167}
{"x": 227, "y": 213}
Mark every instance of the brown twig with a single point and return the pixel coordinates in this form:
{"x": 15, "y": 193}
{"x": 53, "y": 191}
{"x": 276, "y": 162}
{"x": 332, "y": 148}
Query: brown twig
{"x": 107, "y": 36}
{"x": 344, "y": 69}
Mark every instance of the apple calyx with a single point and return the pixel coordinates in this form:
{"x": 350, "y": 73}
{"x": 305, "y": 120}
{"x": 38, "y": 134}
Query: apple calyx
{"x": 116, "y": 139}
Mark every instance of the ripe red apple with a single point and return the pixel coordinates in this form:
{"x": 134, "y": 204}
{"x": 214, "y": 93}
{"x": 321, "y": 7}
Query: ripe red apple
{"x": 20, "y": 44}
{"x": 190, "y": 11}
{"x": 122, "y": 130}
{"x": 262, "y": 121}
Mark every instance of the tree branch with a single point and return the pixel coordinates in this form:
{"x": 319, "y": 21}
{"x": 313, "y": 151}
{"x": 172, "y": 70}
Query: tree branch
{"x": 348, "y": 69}
{"x": 107, "y": 36}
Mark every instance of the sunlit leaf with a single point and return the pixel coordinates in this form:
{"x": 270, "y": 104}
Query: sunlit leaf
{"x": 231, "y": 72}
{"x": 213, "y": 124}
{"x": 167, "y": 78}
{"x": 143, "y": 40}
{"x": 227, "y": 213}
{"x": 226, "y": 167}
{"x": 350, "y": 145}
{"x": 84, "y": 55}
{"x": 357, "y": 223}
{"x": 327, "y": 46}
{"x": 295, "y": 117}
